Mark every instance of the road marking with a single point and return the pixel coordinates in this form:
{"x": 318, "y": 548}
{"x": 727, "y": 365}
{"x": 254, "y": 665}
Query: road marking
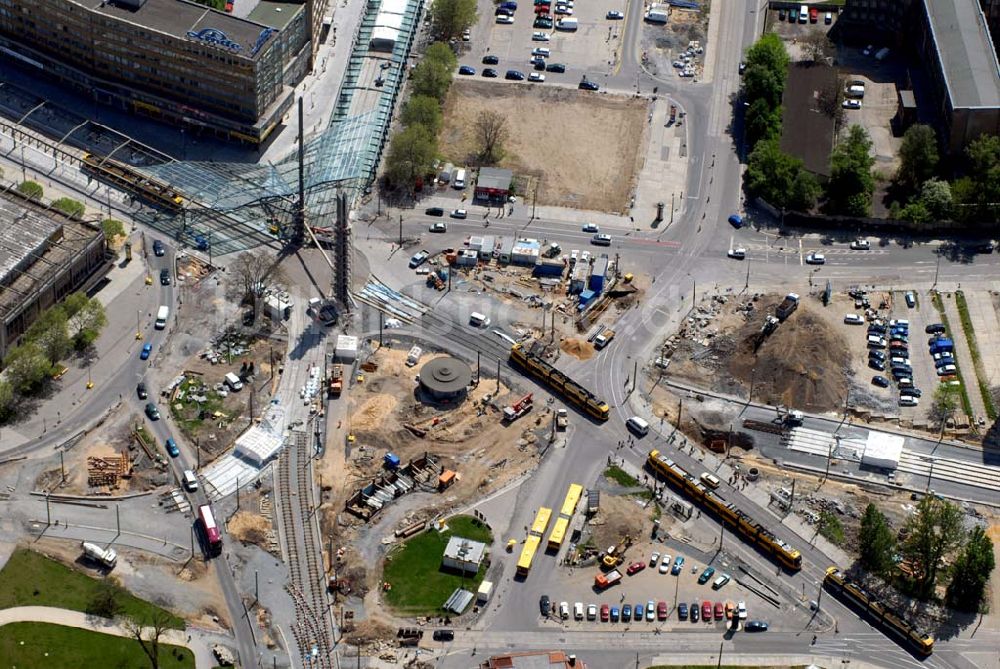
{"x": 800, "y": 253}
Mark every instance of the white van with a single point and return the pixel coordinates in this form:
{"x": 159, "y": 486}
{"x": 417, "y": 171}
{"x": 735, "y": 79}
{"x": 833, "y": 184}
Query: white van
{"x": 190, "y": 480}
{"x": 478, "y": 320}
{"x": 233, "y": 382}
{"x": 854, "y": 319}
{"x": 162, "y": 314}
{"x": 458, "y": 182}
{"x": 804, "y": 14}
{"x": 578, "y": 611}
{"x": 711, "y": 480}
{"x": 638, "y": 426}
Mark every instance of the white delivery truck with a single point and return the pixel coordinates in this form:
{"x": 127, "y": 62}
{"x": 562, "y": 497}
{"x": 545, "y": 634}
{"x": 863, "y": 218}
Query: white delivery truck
{"x": 105, "y": 556}
{"x": 567, "y": 25}
{"x": 458, "y": 180}
{"x": 657, "y": 15}
{"x": 233, "y": 382}
{"x": 162, "y": 314}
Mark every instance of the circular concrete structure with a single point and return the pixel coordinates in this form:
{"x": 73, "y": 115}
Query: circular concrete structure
{"x": 445, "y": 378}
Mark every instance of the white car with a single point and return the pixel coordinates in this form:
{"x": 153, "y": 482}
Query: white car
{"x": 739, "y": 253}
{"x": 601, "y": 239}
{"x": 815, "y": 258}
{"x": 536, "y": 77}
{"x": 439, "y": 227}
{"x": 505, "y": 20}
{"x": 540, "y": 37}
{"x": 665, "y": 563}
{"x": 592, "y": 612}
{"x": 615, "y": 16}
{"x": 467, "y": 35}
{"x": 650, "y": 611}
{"x": 563, "y": 10}
{"x": 542, "y": 51}
{"x": 741, "y": 610}
{"x": 908, "y": 401}
{"x": 564, "y": 610}
{"x": 653, "y": 559}
{"x": 860, "y": 245}
{"x": 851, "y": 104}
{"x": 459, "y": 213}
{"x": 591, "y": 227}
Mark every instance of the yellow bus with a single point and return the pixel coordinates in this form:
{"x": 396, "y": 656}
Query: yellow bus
{"x": 541, "y": 522}
{"x": 572, "y": 499}
{"x": 527, "y": 555}
{"x": 558, "y": 534}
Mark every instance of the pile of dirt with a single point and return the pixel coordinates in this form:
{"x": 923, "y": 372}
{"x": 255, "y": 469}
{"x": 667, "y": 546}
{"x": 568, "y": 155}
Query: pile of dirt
{"x": 249, "y": 528}
{"x": 373, "y": 412}
{"x": 578, "y": 348}
{"x": 368, "y": 632}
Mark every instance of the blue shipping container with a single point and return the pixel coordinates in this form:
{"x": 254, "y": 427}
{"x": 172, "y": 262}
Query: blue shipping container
{"x": 549, "y": 268}
{"x": 391, "y": 461}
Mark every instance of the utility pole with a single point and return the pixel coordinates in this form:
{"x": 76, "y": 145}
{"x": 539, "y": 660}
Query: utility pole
{"x": 400, "y": 230}
{"x": 479, "y": 367}
{"x": 936, "y": 271}
{"x": 380, "y": 324}
{"x": 635, "y": 373}
{"x": 62, "y": 466}
{"x": 791, "y": 502}
{"x": 746, "y": 286}
{"x": 498, "y": 376}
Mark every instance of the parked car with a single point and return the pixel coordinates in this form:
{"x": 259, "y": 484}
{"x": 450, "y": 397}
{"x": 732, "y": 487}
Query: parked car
{"x": 665, "y": 564}
{"x": 158, "y": 248}
{"x": 635, "y": 568}
{"x": 555, "y": 67}
{"x": 443, "y": 635}
{"x": 467, "y": 70}
{"x": 720, "y": 612}
{"x": 695, "y": 612}
{"x": 682, "y": 611}
{"x": 543, "y": 22}
{"x": 490, "y": 73}
{"x": 638, "y": 611}
{"x": 147, "y": 349}
{"x": 615, "y": 614}
{"x": 418, "y": 259}
{"x": 915, "y": 392}
{"x": 491, "y": 60}
{"x": 935, "y": 328}
{"x": 739, "y": 253}
{"x": 720, "y": 582}
{"x": 505, "y": 20}
{"x": 908, "y": 401}
{"x": 564, "y": 610}
{"x": 851, "y": 104}
{"x": 627, "y": 612}
{"x": 514, "y": 75}
{"x": 860, "y": 245}
{"x": 545, "y": 605}
{"x": 592, "y": 612}
{"x": 911, "y": 299}
{"x": 678, "y": 563}
{"x": 434, "y": 211}
{"x": 661, "y": 610}
{"x": 706, "y": 611}
{"x": 586, "y": 85}
{"x": 605, "y": 613}
{"x": 654, "y": 558}
{"x": 614, "y": 16}
{"x": 536, "y": 77}
{"x": 706, "y": 575}
{"x": 876, "y": 364}
{"x": 880, "y": 381}
{"x": 736, "y": 221}
{"x": 757, "y": 625}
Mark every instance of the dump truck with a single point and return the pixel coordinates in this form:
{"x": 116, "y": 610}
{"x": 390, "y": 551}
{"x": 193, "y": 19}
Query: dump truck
{"x": 603, "y": 339}
{"x": 336, "y": 380}
{"x": 787, "y": 306}
{"x": 602, "y": 581}
{"x": 518, "y": 408}
{"x": 106, "y": 557}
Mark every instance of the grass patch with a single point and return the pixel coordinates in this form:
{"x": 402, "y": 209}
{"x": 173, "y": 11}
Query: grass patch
{"x": 31, "y": 579}
{"x": 621, "y": 477}
{"x": 831, "y": 528}
{"x": 190, "y": 414}
{"x": 45, "y": 645}
{"x": 964, "y": 393}
{"x": 419, "y": 585}
{"x": 977, "y": 360}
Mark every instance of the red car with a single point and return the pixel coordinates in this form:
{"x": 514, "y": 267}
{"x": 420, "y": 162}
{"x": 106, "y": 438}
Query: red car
{"x": 635, "y": 568}
{"x": 605, "y": 613}
{"x": 706, "y": 611}
{"x": 542, "y": 9}
{"x": 661, "y": 611}
{"x": 720, "y": 612}
{"x": 813, "y": 15}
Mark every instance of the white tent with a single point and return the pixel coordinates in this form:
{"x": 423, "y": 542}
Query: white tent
{"x": 882, "y": 451}
{"x": 257, "y": 446}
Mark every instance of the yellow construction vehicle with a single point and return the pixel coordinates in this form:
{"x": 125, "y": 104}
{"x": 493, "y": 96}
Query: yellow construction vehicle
{"x": 615, "y": 555}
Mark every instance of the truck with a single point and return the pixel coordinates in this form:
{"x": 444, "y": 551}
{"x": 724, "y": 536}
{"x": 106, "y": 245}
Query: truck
{"x": 562, "y": 419}
{"x": 162, "y": 314}
{"x": 567, "y": 25}
{"x": 604, "y": 339}
{"x": 336, "y": 380}
{"x": 518, "y": 408}
{"x": 787, "y": 306}
{"x": 604, "y": 581}
{"x": 106, "y": 557}
{"x": 656, "y": 14}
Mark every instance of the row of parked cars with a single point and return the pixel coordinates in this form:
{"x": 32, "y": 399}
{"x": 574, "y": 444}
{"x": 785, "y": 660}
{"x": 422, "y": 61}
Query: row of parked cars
{"x": 652, "y": 611}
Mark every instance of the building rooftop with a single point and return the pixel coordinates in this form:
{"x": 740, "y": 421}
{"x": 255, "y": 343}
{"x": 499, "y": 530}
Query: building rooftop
{"x": 275, "y": 14}
{"x": 189, "y": 20}
{"x": 553, "y": 659}
{"x": 966, "y": 51}
{"x": 23, "y": 233}
{"x": 494, "y": 178}
{"x": 465, "y": 550}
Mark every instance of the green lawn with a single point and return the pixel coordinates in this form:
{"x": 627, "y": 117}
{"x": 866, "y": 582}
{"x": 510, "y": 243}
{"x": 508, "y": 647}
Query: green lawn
{"x": 419, "y": 586}
{"x": 43, "y": 645}
{"x": 621, "y": 477}
{"x": 31, "y": 579}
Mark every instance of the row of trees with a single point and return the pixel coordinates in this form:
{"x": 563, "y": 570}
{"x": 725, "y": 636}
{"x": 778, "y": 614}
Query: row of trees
{"x": 921, "y": 196}
{"x": 933, "y": 535}
{"x": 73, "y": 324}
{"x": 771, "y": 174}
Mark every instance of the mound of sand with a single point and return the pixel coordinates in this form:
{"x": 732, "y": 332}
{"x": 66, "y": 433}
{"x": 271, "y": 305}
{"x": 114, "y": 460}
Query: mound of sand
{"x": 578, "y": 348}
{"x": 373, "y": 412}
{"x": 249, "y": 528}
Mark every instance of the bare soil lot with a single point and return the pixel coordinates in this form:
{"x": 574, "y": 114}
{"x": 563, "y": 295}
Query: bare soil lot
{"x": 584, "y": 147}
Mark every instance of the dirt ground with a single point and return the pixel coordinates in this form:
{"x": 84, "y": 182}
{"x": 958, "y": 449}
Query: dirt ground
{"x": 804, "y": 363}
{"x": 555, "y": 135}
{"x": 578, "y": 348}
{"x": 620, "y": 515}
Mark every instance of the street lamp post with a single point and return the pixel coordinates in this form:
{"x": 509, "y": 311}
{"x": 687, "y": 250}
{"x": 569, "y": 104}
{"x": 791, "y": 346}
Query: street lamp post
{"x": 930, "y": 473}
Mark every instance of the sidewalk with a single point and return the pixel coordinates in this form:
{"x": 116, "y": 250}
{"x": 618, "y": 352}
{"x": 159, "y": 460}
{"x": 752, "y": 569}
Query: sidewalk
{"x": 197, "y": 642}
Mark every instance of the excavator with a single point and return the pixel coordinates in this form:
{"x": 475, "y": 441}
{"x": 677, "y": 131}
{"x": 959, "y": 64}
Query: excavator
{"x": 615, "y": 555}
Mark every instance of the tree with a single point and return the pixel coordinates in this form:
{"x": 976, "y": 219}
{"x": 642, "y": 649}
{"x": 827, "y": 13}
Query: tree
{"x": 86, "y": 322}
{"x": 491, "y": 133}
{"x": 877, "y": 542}
{"x": 829, "y": 99}
{"x": 915, "y": 212}
{"x": 918, "y": 158}
{"x": 106, "y": 600}
{"x": 6, "y": 400}
{"x": 779, "y": 178}
{"x": 450, "y": 18}
{"x": 932, "y": 533}
{"x": 112, "y": 228}
{"x": 70, "y": 207}
{"x": 760, "y": 83}
{"x": 411, "y": 154}
{"x": 51, "y": 334}
{"x": 423, "y": 110}
{"x": 851, "y": 182}
{"x": 147, "y": 630}
{"x": 27, "y": 367}
{"x": 441, "y": 53}
{"x": 971, "y": 572}
{"x": 255, "y": 273}
{"x": 945, "y": 403}
{"x": 768, "y": 52}
{"x": 831, "y": 528}
{"x": 431, "y": 78}
{"x": 980, "y": 190}
{"x": 761, "y": 122}
{"x": 31, "y": 190}
{"x": 936, "y": 197}
{"x": 817, "y": 46}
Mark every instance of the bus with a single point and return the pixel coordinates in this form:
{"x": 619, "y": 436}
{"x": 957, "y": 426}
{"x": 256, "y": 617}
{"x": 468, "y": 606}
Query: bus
{"x": 527, "y": 555}
{"x": 572, "y": 499}
{"x": 213, "y": 537}
{"x": 558, "y": 534}
{"x": 541, "y": 522}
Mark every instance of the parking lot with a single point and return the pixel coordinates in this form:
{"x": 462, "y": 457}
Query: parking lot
{"x": 589, "y": 50}
{"x": 678, "y": 593}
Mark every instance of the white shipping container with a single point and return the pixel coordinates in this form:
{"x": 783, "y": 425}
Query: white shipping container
{"x": 347, "y": 348}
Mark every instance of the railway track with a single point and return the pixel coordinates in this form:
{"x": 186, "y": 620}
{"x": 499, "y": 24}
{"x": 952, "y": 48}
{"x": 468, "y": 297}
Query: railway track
{"x": 310, "y": 628}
